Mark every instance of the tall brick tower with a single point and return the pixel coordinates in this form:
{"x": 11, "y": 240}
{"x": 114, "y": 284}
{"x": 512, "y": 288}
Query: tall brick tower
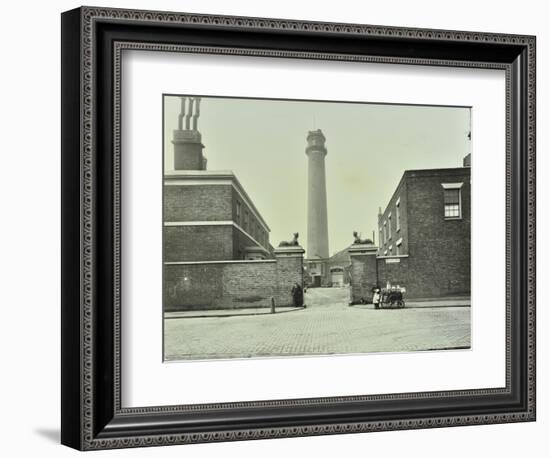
{"x": 317, "y": 227}
{"x": 188, "y": 142}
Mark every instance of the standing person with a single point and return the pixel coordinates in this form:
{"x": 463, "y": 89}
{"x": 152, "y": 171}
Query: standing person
{"x": 297, "y": 295}
{"x": 376, "y": 298}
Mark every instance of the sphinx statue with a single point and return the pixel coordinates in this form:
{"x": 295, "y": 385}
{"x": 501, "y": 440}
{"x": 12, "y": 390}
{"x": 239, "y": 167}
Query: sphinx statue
{"x": 357, "y": 240}
{"x": 293, "y": 242}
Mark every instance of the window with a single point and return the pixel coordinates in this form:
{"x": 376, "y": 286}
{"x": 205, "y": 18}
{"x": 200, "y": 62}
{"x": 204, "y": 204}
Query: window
{"x": 238, "y": 212}
{"x": 380, "y": 236}
{"x": 385, "y": 231}
{"x": 452, "y": 200}
{"x": 390, "y": 249}
{"x": 398, "y": 215}
{"x": 389, "y": 226}
{"x": 246, "y": 220}
{"x": 398, "y": 246}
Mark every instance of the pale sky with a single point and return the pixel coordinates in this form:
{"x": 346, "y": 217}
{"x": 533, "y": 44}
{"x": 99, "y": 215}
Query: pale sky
{"x": 369, "y": 147}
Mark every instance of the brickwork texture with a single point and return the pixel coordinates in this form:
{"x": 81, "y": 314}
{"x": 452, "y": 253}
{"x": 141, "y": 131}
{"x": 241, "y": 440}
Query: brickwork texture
{"x": 438, "y": 249}
{"x": 363, "y": 277}
{"x": 198, "y": 243}
{"x": 198, "y": 203}
{"x": 188, "y": 156}
{"x": 231, "y": 285}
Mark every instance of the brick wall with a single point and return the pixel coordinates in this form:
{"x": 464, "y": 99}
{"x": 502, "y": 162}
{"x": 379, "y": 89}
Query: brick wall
{"x": 198, "y": 243}
{"x": 214, "y": 286}
{"x": 240, "y": 242}
{"x": 188, "y": 156}
{"x": 397, "y": 273}
{"x": 289, "y": 270}
{"x": 230, "y": 285}
{"x": 245, "y": 218}
{"x": 403, "y": 232}
{"x": 439, "y": 249}
{"x": 363, "y": 277}
{"x": 198, "y": 203}
{"x": 400, "y": 195}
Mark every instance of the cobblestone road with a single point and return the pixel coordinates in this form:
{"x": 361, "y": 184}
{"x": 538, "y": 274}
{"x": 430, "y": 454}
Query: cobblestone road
{"x": 327, "y": 326}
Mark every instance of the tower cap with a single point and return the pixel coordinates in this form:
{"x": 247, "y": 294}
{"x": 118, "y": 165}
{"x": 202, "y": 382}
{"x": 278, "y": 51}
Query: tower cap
{"x": 316, "y": 141}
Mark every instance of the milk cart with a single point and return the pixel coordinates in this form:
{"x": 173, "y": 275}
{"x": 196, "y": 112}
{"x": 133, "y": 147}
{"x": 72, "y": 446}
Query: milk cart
{"x": 392, "y": 298}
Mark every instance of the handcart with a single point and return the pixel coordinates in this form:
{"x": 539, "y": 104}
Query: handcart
{"x": 392, "y": 298}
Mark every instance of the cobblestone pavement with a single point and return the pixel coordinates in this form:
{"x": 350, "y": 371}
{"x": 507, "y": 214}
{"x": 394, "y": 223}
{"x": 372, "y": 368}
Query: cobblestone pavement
{"x": 327, "y": 326}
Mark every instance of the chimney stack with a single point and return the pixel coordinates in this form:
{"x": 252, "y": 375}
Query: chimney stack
{"x": 188, "y": 142}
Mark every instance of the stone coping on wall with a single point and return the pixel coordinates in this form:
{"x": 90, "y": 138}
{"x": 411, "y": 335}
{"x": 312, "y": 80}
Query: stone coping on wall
{"x": 293, "y": 250}
{"x": 362, "y": 249}
{"x": 394, "y": 256}
{"x": 221, "y": 261}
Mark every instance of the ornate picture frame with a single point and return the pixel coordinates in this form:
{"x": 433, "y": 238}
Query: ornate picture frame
{"x": 93, "y": 416}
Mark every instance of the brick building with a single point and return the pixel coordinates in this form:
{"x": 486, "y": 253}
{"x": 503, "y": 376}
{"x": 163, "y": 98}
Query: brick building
{"x": 424, "y": 237}
{"x": 330, "y": 272}
{"x": 216, "y": 245}
{"x": 338, "y": 267}
{"x": 209, "y": 217}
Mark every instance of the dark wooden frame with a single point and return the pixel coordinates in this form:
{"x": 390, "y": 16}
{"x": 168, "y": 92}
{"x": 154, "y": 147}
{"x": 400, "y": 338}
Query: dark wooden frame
{"x": 92, "y": 40}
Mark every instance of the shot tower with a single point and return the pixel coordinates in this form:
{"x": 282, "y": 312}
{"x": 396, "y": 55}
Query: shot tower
{"x": 317, "y": 226}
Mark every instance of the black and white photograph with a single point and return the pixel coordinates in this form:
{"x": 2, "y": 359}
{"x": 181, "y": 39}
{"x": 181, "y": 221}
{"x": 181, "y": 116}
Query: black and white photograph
{"x": 279, "y": 221}
{"x": 310, "y": 227}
